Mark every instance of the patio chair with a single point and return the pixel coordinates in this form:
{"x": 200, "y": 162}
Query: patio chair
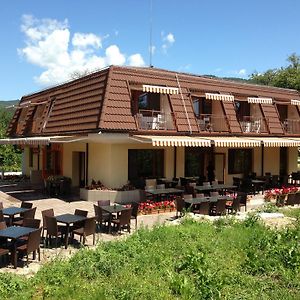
{"x": 206, "y": 183}
{"x": 28, "y": 214}
{"x": 82, "y": 213}
{"x": 3, "y": 226}
{"x": 234, "y": 207}
{"x": 202, "y": 208}
{"x": 220, "y": 207}
{"x": 53, "y": 230}
{"x": 291, "y": 199}
{"x": 243, "y": 199}
{"x": 33, "y": 223}
{"x": 187, "y": 196}
{"x": 214, "y": 194}
{"x": 49, "y": 213}
{"x": 1, "y": 205}
{"x": 26, "y": 204}
{"x": 123, "y": 221}
{"x": 89, "y": 228}
{"x": 134, "y": 212}
{"x": 32, "y": 245}
{"x": 199, "y": 195}
{"x": 100, "y": 216}
{"x": 297, "y": 199}
{"x": 103, "y": 202}
{"x": 190, "y": 190}
{"x": 1, "y": 216}
{"x": 180, "y": 205}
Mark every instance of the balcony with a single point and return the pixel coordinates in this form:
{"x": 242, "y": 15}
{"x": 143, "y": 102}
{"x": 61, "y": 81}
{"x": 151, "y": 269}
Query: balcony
{"x": 213, "y": 123}
{"x": 291, "y": 126}
{"x": 155, "y": 120}
{"x": 251, "y": 124}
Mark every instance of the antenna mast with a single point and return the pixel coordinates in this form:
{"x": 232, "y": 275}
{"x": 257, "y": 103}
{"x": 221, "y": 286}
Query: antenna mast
{"x": 150, "y": 38}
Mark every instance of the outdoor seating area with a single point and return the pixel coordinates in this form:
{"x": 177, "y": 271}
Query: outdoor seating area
{"x": 23, "y": 234}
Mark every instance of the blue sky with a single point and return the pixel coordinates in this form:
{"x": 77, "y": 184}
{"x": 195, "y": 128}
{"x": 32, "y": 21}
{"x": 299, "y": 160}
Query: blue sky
{"x": 45, "y": 42}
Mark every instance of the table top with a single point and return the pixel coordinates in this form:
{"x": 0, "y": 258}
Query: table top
{"x": 13, "y": 210}
{"x": 206, "y": 199}
{"x": 69, "y": 218}
{"x": 257, "y": 181}
{"x": 164, "y": 191}
{"x": 15, "y": 232}
{"x": 215, "y": 187}
{"x": 113, "y": 208}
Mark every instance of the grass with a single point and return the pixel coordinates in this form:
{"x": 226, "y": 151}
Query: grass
{"x": 291, "y": 212}
{"x": 224, "y": 260}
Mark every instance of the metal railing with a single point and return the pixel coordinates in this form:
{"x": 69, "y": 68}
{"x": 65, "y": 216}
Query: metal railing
{"x": 155, "y": 120}
{"x": 213, "y": 123}
{"x": 251, "y": 124}
{"x": 291, "y": 126}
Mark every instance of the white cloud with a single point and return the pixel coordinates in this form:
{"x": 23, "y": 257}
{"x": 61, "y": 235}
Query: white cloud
{"x": 50, "y": 45}
{"x": 241, "y": 72}
{"x": 168, "y": 41}
{"x": 85, "y": 40}
{"x": 136, "y": 60}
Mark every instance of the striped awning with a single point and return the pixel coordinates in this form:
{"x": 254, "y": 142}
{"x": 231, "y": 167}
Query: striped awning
{"x": 280, "y": 142}
{"x": 295, "y": 102}
{"x": 260, "y": 100}
{"x": 160, "y": 89}
{"x": 41, "y": 140}
{"x": 177, "y": 141}
{"x": 220, "y": 97}
{"x": 238, "y": 142}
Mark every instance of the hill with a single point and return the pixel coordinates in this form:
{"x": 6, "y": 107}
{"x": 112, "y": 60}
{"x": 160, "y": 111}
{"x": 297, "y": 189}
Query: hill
{"x": 8, "y": 103}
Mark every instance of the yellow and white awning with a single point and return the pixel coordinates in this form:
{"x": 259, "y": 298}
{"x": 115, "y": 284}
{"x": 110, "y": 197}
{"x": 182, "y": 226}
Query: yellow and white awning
{"x": 260, "y": 100}
{"x": 40, "y": 140}
{"x": 174, "y": 141}
{"x": 295, "y": 102}
{"x": 219, "y": 97}
{"x": 280, "y": 142}
{"x": 160, "y": 89}
{"x": 237, "y": 142}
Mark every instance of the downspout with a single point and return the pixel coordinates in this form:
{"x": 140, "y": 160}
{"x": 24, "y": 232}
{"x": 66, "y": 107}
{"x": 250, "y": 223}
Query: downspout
{"x": 183, "y": 102}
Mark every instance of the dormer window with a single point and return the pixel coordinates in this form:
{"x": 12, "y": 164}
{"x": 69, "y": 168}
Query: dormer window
{"x": 149, "y": 101}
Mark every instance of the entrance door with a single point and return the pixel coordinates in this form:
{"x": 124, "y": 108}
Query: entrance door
{"x": 220, "y": 166}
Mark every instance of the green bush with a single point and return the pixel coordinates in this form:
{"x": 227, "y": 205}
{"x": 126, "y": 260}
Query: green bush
{"x": 222, "y": 260}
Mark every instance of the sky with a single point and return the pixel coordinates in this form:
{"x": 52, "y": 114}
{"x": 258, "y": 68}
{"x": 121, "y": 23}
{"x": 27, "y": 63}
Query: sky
{"x": 44, "y": 43}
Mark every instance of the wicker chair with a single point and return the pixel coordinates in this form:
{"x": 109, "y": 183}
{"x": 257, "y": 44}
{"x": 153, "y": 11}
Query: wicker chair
{"x": 203, "y": 208}
{"x": 101, "y": 217}
{"x": 234, "y": 206}
{"x": 89, "y": 228}
{"x": 53, "y": 230}
{"x": 49, "y": 213}
{"x": 123, "y": 221}
{"x": 28, "y": 214}
{"x": 32, "y": 245}
{"x": 220, "y": 208}
{"x": 180, "y": 205}
{"x": 134, "y": 212}
{"x": 291, "y": 199}
{"x": 103, "y": 202}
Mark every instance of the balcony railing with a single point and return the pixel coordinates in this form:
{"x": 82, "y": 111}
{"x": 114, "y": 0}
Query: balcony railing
{"x": 213, "y": 123}
{"x": 155, "y": 120}
{"x": 291, "y": 126}
{"x": 251, "y": 124}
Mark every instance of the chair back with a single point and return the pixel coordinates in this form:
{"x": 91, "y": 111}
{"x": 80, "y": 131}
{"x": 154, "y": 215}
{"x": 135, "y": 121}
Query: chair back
{"x": 243, "y": 198}
{"x": 47, "y": 212}
{"x": 3, "y": 225}
{"x": 33, "y": 223}
{"x": 1, "y": 205}
{"x": 151, "y": 182}
{"x": 135, "y": 209}
{"x": 1, "y": 216}
{"x": 236, "y": 203}
{"x": 221, "y": 206}
{"x": 179, "y": 203}
{"x": 199, "y": 195}
{"x": 160, "y": 186}
{"x": 103, "y": 202}
{"x": 290, "y": 199}
{"x": 26, "y": 205}
{"x": 89, "y": 226}
{"x": 51, "y": 223}
{"x": 34, "y": 240}
{"x": 206, "y": 183}
{"x": 214, "y": 194}
{"x": 297, "y": 198}
{"x": 125, "y": 216}
{"x": 193, "y": 184}
{"x": 183, "y": 181}
{"x": 190, "y": 190}
{"x": 204, "y": 208}
{"x": 79, "y": 212}
{"x": 29, "y": 214}
{"x": 187, "y": 196}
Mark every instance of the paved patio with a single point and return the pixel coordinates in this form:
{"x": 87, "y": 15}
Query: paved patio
{"x": 12, "y": 195}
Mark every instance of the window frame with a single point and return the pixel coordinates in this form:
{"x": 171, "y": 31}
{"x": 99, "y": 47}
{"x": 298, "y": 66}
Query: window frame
{"x": 242, "y": 164}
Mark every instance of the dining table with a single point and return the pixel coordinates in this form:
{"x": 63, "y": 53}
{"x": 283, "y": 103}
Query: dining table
{"x": 14, "y": 233}
{"x": 68, "y": 220}
{"x": 112, "y": 210}
{"x": 12, "y": 211}
{"x": 215, "y": 187}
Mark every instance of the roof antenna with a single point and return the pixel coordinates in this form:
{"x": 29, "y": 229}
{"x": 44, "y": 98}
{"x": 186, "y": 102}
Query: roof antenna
{"x": 150, "y": 38}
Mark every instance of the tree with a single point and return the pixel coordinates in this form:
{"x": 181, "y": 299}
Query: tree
{"x": 285, "y": 77}
{"x": 10, "y": 155}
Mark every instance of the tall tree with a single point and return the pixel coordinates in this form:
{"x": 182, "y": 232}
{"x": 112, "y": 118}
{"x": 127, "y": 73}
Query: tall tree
{"x": 285, "y": 77}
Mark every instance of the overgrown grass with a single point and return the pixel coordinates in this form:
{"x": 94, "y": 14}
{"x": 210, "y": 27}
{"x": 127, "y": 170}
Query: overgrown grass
{"x": 223, "y": 260}
{"x": 291, "y": 212}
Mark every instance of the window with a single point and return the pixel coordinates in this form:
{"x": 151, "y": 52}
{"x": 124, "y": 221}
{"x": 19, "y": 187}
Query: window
{"x": 202, "y": 106}
{"x": 195, "y": 159}
{"x": 39, "y": 111}
{"x": 149, "y": 101}
{"x": 239, "y": 161}
{"x": 242, "y": 109}
{"x": 145, "y": 164}
{"x": 283, "y": 112}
